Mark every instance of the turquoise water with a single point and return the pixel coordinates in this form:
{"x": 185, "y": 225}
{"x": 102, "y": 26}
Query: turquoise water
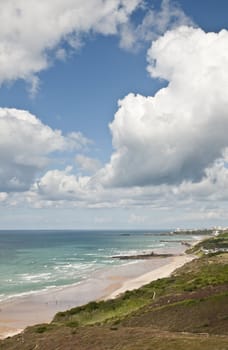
{"x": 36, "y": 260}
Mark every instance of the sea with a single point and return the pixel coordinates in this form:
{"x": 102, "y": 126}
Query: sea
{"x": 35, "y": 260}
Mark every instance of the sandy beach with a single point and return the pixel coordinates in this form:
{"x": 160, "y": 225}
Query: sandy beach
{"x": 153, "y": 275}
{"x": 19, "y": 312}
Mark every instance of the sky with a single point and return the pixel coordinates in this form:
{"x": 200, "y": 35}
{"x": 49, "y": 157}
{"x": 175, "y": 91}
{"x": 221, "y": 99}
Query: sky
{"x": 113, "y": 114}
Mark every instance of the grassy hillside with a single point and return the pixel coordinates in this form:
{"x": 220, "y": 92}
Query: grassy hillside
{"x": 188, "y": 310}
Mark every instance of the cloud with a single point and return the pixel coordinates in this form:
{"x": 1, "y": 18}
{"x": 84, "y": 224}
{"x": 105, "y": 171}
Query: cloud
{"x": 32, "y": 30}
{"x": 213, "y": 186}
{"x": 182, "y": 130}
{"x": 61, "y": 185}
{"x": 25, "y": 146}
{"x": 3, "y": 196}
{"x": 185, "y": 202}
{"x": 136, "y": 219}
{"x": 154, "y": 24}
{"x": 88, "y": 164}
{"x": 170, "y": 150}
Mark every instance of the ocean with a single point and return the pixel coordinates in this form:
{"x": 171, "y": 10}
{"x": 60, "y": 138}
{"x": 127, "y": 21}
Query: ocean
{"x": 33, "y": 260}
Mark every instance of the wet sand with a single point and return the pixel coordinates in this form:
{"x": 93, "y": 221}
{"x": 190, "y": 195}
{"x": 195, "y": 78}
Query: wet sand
{"x": 40, "y": 307}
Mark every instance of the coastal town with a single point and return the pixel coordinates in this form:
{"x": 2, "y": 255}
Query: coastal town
{"x": 215, "y": 230}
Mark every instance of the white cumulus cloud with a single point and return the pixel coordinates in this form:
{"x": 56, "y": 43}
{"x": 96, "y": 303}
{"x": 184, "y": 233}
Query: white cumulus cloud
{"x": 87, "y": 163}
{"x": 182, "y": 130}
{"x": 30, "y": 30}
{"x": 62, "y": 185}
{"x": 25, "y": 146}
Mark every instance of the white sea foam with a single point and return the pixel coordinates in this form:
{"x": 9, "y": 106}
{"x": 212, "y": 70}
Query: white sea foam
{"x": 2, "y": 297}
{"x": 35, "y": 278}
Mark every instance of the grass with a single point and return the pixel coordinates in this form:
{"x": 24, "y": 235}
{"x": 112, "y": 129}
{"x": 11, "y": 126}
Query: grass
{"x": 103, "y": 311}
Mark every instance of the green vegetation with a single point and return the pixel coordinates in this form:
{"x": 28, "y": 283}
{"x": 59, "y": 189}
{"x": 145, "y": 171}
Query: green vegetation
{"x": 199, "y": 277}
{"x": 42, "y": 328}
{"x": 214, "y": 244}
{"x": 188, "y": 310}
{"x": 102, "y": 312}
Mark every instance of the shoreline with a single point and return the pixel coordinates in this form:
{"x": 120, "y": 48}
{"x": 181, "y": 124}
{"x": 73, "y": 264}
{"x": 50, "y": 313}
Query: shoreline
{"x": 162, "y": 272}
{"x": 18, "y": 313}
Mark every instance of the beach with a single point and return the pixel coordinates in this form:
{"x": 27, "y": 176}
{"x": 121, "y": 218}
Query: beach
{"x": 19, "y": 312}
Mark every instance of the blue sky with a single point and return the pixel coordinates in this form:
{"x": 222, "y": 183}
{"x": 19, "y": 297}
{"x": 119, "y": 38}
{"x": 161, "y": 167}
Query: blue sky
{"x": 153, "y": 167}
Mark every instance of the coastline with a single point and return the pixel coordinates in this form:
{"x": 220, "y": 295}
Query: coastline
{"x": 162, "y": 272}
{"x": 18, "y": 313}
